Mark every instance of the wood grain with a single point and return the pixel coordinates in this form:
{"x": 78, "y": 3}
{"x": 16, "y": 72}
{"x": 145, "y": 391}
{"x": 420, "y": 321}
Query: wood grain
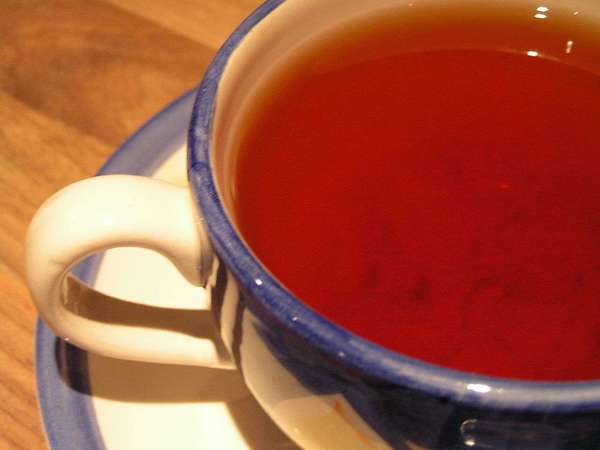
{"x": 76, "y": 79}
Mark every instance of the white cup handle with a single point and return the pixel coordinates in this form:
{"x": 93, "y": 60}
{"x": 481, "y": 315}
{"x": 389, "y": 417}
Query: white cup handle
{"x": 117, "y": 211}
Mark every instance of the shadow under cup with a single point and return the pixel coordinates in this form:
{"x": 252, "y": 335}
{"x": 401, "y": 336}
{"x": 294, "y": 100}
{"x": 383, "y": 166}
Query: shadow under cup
{"x": 325, "y": 387}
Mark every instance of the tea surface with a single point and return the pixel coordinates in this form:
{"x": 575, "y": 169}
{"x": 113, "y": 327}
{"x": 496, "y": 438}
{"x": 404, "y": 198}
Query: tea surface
{"x": 438, "y": 192}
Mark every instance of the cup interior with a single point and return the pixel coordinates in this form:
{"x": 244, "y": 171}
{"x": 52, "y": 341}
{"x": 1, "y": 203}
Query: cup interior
{"x": 242, "y": 69}
{"x": 294, "y": 25}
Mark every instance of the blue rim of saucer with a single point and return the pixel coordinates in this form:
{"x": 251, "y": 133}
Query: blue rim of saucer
{"x": 285, "y": 309}
{"x": 63, "y": 382}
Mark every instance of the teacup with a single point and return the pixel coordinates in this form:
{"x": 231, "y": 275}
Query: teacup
{"x": 324, "y": 386}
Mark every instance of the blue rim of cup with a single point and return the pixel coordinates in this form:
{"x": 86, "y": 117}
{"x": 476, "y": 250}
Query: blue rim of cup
{"x": 334, "y": 341}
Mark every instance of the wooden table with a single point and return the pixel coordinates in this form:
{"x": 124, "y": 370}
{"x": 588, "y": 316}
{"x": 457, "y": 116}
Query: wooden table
{"x": 77, "y": 77}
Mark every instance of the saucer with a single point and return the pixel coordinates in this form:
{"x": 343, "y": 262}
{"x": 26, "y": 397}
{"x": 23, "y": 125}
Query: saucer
{"x": 92, "y": 402}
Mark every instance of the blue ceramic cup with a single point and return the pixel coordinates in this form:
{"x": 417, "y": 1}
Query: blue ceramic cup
{"x": 324, "y": 386}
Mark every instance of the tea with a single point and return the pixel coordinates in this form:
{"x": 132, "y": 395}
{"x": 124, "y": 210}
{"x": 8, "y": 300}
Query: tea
{"x": 430, "y": 180}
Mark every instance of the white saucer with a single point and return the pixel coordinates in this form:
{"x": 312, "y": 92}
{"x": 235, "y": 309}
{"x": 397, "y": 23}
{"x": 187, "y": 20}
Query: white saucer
{"x": 91, "y": 402}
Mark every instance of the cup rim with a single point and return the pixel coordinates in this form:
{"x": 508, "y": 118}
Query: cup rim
{"x": 389, "y": 367}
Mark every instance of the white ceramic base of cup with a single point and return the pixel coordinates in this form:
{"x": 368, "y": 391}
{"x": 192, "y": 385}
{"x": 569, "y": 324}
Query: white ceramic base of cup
{"x": 151, "y": 406}
{"x": 114, "y": 404}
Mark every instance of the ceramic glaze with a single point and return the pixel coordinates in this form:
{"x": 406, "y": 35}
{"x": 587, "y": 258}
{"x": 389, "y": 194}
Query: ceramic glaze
{"x": 401, "y": 402}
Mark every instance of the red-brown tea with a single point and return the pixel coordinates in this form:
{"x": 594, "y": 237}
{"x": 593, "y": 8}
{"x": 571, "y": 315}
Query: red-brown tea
{"x": 431, "y": 182}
